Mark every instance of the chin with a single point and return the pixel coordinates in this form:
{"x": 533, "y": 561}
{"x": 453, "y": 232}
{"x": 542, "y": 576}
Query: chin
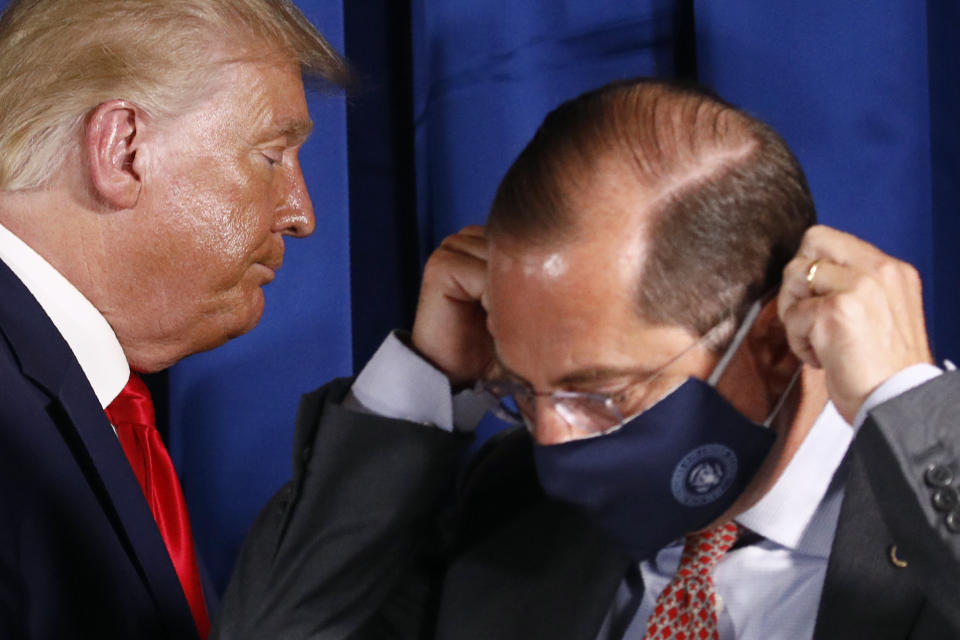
{"x": 210, "y": 332}
{"x": 250, "y": 317}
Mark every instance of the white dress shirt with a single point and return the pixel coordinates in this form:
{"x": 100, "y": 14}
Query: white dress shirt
{"x": 398, "y": 383}
{"x": 769, "y": 589}
{"x": 84, "y": 329}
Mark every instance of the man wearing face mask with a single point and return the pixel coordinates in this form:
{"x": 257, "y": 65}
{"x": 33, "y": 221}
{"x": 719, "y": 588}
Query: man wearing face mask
{"x": 737, "y": 430}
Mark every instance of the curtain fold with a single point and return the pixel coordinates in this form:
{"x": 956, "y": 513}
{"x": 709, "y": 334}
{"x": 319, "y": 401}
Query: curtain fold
{"x": 486, "y": 74}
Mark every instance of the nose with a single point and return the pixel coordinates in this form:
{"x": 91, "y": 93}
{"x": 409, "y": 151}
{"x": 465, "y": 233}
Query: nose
{"x": 294, "y": 217}
{"x": 550, "y": 427}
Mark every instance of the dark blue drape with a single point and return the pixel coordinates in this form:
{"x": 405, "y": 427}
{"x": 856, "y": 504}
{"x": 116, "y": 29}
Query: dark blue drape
{"x": 866, "y": 95}
{"x": 486, "y": 73}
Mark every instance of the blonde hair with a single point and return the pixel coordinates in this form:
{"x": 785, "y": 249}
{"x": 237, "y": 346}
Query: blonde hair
{"x": 60, "y": 59}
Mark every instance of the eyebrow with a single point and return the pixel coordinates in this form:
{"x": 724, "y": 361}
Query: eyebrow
{"x": 600, "y": 374}
{"x": 594, "y": 374}
{"x": 295, "y": 130}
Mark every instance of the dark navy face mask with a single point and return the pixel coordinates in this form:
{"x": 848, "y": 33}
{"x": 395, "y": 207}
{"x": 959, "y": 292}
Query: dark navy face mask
{"x": 667, "y": 471}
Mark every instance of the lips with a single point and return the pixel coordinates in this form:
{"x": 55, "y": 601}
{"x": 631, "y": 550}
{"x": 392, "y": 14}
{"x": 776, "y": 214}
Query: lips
{"x": 270, "y": 267}
{"x": 273, "y": 259}
{"x": 274, "y": 265}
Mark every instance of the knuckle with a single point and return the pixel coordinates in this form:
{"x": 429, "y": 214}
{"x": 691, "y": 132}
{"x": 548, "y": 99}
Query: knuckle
{"x": 911, "y": 274}
{"x": 847, "y": 313}
{"x": 793, "y": 268}
{"x": 840, "y": 307}
{"x": 815, "y": 233}
{"x": 438, "y": 261}
{"x": 890, "y": 269}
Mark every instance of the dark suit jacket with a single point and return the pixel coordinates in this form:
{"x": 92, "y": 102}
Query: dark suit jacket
{"x": 80, "y": 553}
{"x": 365, "y": 542}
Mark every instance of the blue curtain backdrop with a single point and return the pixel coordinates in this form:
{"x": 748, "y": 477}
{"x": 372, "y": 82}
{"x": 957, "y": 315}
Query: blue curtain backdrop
{"x": 486, "y": 73}
{"x": 865, "y": 93}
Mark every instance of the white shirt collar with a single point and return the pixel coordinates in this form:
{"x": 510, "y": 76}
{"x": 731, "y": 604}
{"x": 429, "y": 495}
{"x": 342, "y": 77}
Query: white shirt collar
{"x": 801, "y": 510}
{"x": 84, "y": 328}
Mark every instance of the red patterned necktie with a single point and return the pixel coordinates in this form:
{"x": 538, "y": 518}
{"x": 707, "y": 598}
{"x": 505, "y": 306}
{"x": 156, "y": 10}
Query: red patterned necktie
{"x": 132, "y": 415}
{"x": 687, "y": 608}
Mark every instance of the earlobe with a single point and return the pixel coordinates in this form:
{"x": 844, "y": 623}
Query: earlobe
{"x": 111, "y": 141}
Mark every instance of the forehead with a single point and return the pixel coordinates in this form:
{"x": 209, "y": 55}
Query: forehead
{"x": 596, "y": 265}
{"x": 259, "y": 100}
{"x": 559, "y": 311}
{"x": 579, "y": 281}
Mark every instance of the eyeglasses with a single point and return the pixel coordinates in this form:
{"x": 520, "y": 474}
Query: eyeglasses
{"x": 588, "y": 414}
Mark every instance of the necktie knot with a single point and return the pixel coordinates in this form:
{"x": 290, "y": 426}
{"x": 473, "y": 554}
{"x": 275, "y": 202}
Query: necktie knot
{"x": 687, "y": 608}
{"x": 702, "y": 550}
{"x": 133, "y": 405}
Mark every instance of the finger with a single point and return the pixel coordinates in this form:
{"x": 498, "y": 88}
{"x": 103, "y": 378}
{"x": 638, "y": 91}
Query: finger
{"x": 829, "y": 277}
{"x": 799, "y": 321}
{"x": 804, "y": 278}
{"x": 801, "y": 276}
{"x": 465, "y": 274}
{"x": 839, "y": 247}
{"x": 474, "y": 230}
{"x": 794, "y": 286}
{"x": 467, "y": 243}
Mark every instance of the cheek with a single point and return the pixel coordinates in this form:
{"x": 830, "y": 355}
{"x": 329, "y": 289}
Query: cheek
{"x": 216, "y": 223}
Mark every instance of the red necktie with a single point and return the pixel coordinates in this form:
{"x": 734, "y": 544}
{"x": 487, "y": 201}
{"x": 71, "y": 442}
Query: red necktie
{"x": 132, "y": 415}
{"x": 687, "y": 608}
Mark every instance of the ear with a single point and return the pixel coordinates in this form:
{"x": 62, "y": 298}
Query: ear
{"x": 770, "y": 350}
{"x": 111, "y": 146}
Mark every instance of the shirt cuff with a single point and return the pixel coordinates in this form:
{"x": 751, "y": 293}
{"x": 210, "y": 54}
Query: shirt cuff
{"x": 912, "y": 376}
{"x": 397, "y": 383}
{"x": 469, "y": 408}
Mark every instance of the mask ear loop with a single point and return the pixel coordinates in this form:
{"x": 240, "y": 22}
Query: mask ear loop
{"x": 738, "y": 339}
{"x": 783, "y": 397}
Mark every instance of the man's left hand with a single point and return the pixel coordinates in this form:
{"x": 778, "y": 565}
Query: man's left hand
{"x": 854, "y": 311}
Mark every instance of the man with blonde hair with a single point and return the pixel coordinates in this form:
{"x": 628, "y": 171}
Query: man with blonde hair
{"x": 148, "y": 176}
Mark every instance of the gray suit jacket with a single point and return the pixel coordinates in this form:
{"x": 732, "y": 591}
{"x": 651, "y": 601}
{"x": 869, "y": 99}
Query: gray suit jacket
{"x": 370, "y": 541}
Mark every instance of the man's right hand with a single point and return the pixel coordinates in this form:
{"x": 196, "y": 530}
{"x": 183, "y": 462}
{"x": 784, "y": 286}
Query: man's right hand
{"x": 450, "y": 329}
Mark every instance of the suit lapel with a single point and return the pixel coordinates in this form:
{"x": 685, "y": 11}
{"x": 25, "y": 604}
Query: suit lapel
{"x": 864, "y": 594}
{"x": 525, "y": 567}
{"x": 47, "y": 360}
{"x": 545, "y": 574}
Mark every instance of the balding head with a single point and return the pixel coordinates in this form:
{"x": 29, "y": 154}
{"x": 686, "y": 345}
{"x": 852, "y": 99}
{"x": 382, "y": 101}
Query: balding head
{"x": 721, "y": 201}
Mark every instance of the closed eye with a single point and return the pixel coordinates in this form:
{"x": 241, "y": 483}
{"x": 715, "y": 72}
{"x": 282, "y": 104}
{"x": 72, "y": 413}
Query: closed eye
{"x": 273, "y": 156}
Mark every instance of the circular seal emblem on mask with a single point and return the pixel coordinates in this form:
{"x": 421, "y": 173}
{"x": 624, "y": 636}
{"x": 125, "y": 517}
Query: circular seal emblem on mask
{"x": 703, "y": 475}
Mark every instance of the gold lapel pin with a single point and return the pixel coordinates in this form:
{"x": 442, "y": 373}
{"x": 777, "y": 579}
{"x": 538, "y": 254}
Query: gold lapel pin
{"x": 895, "y": 559}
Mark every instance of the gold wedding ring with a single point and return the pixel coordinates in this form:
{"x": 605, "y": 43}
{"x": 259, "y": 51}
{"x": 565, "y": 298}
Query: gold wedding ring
{"x": 811, "y": 274}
